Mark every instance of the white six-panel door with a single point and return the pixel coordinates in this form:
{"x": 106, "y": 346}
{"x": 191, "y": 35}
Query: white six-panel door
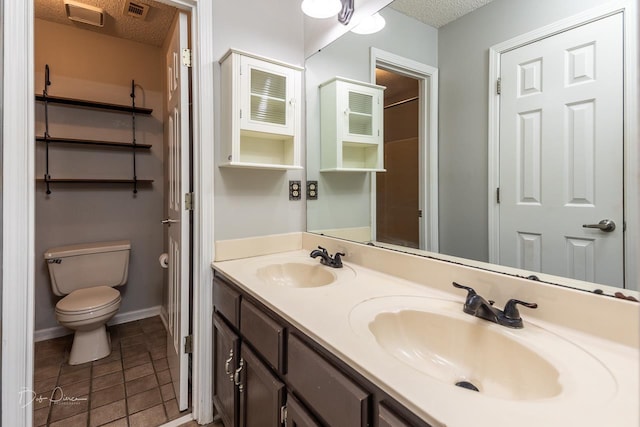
{"x": 177, "y": 130}
{"x": 561, "y": 151}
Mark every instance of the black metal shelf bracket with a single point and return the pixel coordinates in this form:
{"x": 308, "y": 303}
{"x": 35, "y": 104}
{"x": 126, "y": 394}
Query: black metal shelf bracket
{"x": 47, "y": 83}
{"x": 133, "y": 127}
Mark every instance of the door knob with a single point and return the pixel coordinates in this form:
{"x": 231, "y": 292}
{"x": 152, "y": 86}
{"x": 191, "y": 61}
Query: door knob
{"x": 605, "y": 225}
{"x": 169, "y": 221}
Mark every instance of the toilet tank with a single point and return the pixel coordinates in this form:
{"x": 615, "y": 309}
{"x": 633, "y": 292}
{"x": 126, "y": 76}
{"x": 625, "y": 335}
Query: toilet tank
{"x": 87, "y": 265}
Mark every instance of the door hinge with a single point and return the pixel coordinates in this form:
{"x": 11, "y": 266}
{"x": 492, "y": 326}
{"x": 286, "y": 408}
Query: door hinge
{"x": 186, "y": 57}
{"x": 499, "y": 86}
{"x": 188, "y": 344}
{"x": 189, "y": 200}
{"x": 419, "y": 213}
{"x": 283, "y": 415}
{"x": 498, "y": 195}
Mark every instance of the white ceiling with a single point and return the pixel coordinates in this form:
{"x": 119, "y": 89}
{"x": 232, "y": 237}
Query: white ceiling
{"x": 437, "y": 13}
{"x": 154, "y": 28}
{"x": 151, "y": 31}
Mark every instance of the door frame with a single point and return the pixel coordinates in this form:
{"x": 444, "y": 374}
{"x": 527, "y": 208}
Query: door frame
{"x": 427, "y": 142}
{"x": 630, "y": 128}
{"x": 18, "y": 206}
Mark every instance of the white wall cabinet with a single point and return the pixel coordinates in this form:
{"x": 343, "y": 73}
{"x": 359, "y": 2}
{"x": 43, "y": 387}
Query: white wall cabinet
{"x": 351, "y": 120}
{"x": 261, "y": 112}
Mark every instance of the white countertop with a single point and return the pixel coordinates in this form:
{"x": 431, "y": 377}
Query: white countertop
{"x": 324, "y": 313}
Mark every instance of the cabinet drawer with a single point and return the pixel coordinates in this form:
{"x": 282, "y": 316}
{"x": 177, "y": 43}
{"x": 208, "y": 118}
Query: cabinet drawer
{"x": 226, "y": 302}
{"x": 265, "y": 334}
{"x": 331, "y": 394}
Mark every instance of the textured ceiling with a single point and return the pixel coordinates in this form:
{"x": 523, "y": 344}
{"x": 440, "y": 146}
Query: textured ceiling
{"x": 152, "y": 30}
{"x": 437, "y": 13}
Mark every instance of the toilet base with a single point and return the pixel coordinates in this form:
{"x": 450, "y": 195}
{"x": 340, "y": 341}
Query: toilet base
{"x": 90, "y": 345}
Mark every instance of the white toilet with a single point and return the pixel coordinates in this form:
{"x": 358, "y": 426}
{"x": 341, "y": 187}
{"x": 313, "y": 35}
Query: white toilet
{"x": 86, "y": 275}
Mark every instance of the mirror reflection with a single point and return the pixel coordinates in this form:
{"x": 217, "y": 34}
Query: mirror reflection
{"x": 519, "y": 195}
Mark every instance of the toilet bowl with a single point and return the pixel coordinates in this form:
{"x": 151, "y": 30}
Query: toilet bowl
{"x": 86, "y": 276}
{"x": 86, "y": 311}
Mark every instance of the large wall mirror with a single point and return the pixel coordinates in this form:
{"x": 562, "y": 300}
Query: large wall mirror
{"x": 559, "y": 142}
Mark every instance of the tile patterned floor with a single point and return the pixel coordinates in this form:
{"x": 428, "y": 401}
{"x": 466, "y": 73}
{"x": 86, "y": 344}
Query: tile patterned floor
{"x": 131, "y": 387}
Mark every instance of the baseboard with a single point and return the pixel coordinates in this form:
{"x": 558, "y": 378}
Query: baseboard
{"x": 130, "y": 316}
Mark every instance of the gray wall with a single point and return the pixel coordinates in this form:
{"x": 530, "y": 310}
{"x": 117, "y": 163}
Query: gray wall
{"x": 344, "y": 198}
{"x": 256, "y": 202}
{"x": 463, "y": 59}
{"x": 88, "y": 65}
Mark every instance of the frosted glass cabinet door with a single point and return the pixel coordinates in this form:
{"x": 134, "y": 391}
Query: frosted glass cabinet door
{"x": 268, "y": 97}
{"x": 361, "y": 113}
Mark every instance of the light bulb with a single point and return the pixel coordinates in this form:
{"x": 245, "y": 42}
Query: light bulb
{"x": 321, "y": 8}
{"x": 369, "y": 25}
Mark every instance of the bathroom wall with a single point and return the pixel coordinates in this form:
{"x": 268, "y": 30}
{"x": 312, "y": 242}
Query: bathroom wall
{"x": 88, "y": 65}
{"x": 463, "y": 60}
{"x": 256, "y": 202}
{"x": 349, "y": 57}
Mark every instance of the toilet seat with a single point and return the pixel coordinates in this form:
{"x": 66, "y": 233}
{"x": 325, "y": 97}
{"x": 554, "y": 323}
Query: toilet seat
{"x": 88, "y": 300}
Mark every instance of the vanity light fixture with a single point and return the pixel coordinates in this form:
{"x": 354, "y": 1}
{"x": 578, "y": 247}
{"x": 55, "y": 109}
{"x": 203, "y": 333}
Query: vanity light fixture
{"x": 327, "y": 8}
{"x": 369, "y": 25}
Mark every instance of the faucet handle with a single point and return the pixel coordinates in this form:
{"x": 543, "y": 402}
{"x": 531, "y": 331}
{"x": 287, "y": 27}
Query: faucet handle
{"x": 470, "y": 291}
{"x": 511, "y": 309}
{"x": 322, "y": 249}
{"x": 337, "y": 261}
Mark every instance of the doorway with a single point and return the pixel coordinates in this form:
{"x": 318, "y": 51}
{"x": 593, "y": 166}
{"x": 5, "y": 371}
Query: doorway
{"x": 423, "y": 79}
{"x": 103, "y": 64}
{"x": 397, "y": 190}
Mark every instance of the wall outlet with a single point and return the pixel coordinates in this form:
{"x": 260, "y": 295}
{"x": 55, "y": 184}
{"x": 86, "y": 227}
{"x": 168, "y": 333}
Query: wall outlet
{"x": 312, "y": 190}
{"x": 295, "y": 190}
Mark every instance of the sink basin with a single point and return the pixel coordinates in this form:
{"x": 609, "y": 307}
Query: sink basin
{"x": 433, "y": 336}
{"x": 297, "y": 274}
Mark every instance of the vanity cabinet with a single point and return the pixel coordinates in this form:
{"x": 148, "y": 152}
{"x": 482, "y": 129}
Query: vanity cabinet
{"x": 260, "y": 112}
{"x": 267, "y": 373}
{"x": 351, "y": 126}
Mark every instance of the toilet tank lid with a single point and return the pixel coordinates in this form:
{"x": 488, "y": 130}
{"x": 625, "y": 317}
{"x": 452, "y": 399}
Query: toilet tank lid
{"x": 87, "y": 248}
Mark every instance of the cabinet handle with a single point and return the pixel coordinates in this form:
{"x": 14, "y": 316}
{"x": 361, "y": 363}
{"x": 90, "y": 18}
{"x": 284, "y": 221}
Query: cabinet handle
{"x": 236, "y": 377}
{"x": 227, "y": 365}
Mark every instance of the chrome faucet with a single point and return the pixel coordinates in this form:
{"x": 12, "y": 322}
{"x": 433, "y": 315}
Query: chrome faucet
{"x": 326, "y": 259}
{"x": 480, "y": 307}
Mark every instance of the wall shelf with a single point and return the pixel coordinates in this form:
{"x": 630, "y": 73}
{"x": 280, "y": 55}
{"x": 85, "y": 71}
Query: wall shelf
{"x": 92, "y": 142}
{"x": 94, "y": 181}
{"x": 83, "y": 103}
{"x": 93, "y": 105}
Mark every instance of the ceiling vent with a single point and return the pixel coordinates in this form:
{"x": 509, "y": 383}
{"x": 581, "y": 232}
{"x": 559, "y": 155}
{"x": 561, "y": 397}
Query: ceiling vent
{"x": 136, "y": 9}
{"x": 84, "y": 13}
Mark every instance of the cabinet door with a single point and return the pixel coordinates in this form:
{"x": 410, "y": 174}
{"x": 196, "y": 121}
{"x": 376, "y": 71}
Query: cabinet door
{"x": 362, "y": 109}
{"x": 297, "y": 415}
{"x": 269, "y": 95}
{"x": 261, "y": 393}
{"x": 227, "y": 347}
